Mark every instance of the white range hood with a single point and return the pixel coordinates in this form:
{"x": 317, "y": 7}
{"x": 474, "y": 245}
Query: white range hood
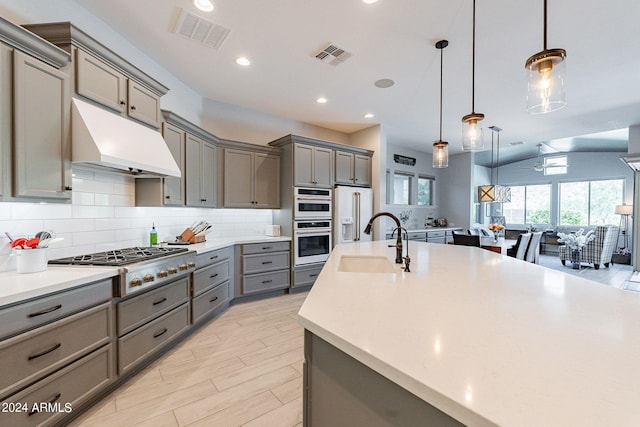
{"x": 107, "y": 140}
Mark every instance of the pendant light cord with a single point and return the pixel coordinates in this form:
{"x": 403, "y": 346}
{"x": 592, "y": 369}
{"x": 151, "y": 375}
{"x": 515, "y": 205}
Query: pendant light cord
{"x": 473, "y": 61}
{"x": 441, "y": 72}
{"x": 544, "y": 41}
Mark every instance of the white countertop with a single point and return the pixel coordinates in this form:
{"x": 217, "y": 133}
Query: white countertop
{"x": 15, "y": 287}
{"x": 488, "y": 339}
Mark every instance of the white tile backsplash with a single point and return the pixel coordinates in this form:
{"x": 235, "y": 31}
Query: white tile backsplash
{"x": 102, "y": 216}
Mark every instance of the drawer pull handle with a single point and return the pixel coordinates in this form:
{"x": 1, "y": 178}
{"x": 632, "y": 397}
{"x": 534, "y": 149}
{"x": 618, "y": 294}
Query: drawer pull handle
{"x": 159, "y": 334}
{"x": 213, "y": 300}
{"x": 313, "y": 275}
{"x": 213, "y": 276}
{"x": 45, "y": 311}
{"x": 267, "y": 281}
{"x": 213, "y": 257}
{"x": 54, "y": 400}
{"x": 160, "y": 301}
{"x": 264, "y": 248}
{"x": 35, "y": 356}
{"x": 267, "y": 262}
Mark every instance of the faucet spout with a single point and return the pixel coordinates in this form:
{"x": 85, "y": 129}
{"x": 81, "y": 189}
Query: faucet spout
{"x": 398, "y": 245}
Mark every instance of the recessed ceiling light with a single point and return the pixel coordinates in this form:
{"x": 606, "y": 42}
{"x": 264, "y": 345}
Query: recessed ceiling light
{"x": 369, "y": 116}
{"x": 203, "y": 5}
{"x": 322, "y": 100}
{"x": 369, "y": 1}
{"x": 243, "y": 60}
{"x": 384, "y": 83}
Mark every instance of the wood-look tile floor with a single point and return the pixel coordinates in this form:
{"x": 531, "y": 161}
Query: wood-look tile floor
{"x": 244, "y": 368}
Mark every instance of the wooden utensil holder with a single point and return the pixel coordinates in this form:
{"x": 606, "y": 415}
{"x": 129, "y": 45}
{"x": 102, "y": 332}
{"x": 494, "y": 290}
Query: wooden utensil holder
{"x": 188, "y": 236}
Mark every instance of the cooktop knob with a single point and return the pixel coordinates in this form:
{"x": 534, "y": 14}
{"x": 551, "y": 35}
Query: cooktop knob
{"x": 148, "y": 278}
{"x": 172, "y": 270}
{"x": 162, "y": 273}
{"x": 182, "y": 267}
{"x": 136, "y": 281}
{"x": 191, "y": 264}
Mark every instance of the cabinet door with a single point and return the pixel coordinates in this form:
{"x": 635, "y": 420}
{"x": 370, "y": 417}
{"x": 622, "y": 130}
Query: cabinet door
{"x": 5, "y": 118}
{"x": 238, "y": 179}
{"x": 323, "y": 166}
{"x": 208, "y": 184}
{"x": 267, "y": 181}
{"x": 303, "y": 164}
{"x": 344, "y": 168}
{"x": 192, "y": 171}
{"x": 174, "y": 187}
{"x": 362, "y": 166}
{"x": 41, "y": 125}
{"x": 143, "y": 105}
{"x": 99, "y": 82}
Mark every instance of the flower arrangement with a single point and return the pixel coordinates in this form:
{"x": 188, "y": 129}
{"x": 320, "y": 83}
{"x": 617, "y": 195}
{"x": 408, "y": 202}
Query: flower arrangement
{"x": 576, "y": 240}
{"x": 496, "y": 227}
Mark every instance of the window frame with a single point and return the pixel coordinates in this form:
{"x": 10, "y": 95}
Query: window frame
{"x": 525, "y": 210}
{"x": 589, "y": 198}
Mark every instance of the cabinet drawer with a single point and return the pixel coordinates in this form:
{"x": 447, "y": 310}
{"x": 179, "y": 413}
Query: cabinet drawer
{"x": 435, "y": 234}
{"x": 64, "y": 390}
{"x": 140, "y": 309}
{"x": 209, "y": 301}
{"x": 417, "y": 236}
{"x": 213, "y": 257}
{"x": 268, "y": 262}
{"x": 17, "y": 318}
{"x": 266, "y": 281}
{"x": 210, "y": 276}
{"x": 306, "y": 276}
{"x": 259, "y": 248}
{"x": 29, "y": 356}
{"x": 134, "y": 347}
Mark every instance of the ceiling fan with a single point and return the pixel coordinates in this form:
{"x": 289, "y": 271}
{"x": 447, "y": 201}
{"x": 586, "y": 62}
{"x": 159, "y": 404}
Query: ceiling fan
{"x": 540, "y": 164}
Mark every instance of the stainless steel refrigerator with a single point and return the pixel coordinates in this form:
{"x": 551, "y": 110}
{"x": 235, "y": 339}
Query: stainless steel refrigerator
{"x": 353, "y": 206}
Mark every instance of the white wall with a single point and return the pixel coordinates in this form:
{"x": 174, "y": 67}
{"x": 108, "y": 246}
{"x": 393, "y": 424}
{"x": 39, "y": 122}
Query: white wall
{"x": 455, "y": 192}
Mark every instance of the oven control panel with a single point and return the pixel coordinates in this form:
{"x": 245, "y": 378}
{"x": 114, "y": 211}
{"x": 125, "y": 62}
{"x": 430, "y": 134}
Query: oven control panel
{"x": 156, "y": 272}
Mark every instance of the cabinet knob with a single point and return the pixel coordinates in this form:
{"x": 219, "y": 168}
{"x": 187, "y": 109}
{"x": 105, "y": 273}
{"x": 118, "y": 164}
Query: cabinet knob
{"x": 167, "y": 197}
{"x": 68, "y": 188}
{"x": 122, "y": 102}
{"x": 133, "y": 108}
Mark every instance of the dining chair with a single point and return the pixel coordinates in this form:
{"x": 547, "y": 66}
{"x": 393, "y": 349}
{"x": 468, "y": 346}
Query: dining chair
{"x": 524, "y": 245}
{"x": 466, "y": 240}
{"x": 533, "y": 250}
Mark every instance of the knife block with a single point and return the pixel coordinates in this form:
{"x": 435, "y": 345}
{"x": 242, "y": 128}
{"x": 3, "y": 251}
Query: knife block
{"x": 188, "y": 236}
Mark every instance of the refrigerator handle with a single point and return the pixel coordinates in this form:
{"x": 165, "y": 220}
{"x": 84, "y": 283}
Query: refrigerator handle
{"x": 356, "y": 196}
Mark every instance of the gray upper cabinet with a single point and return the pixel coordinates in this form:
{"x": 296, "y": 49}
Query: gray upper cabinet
{"x": 199, "y": 172}
{"x": 104, "y": 77}
{"x": 173, "y": 186}
{"x": 312, "y": 166}
{"x": 251, "y": 179}
{"x": 352, "y": 168}
{"x": 41, "y": 129}
{"x": 5, "y": 117}
{"x": 105, "y": 85}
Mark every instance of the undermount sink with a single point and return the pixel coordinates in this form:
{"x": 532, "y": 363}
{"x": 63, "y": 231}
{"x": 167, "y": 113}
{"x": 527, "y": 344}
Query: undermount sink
{"x": 365, "y": 264}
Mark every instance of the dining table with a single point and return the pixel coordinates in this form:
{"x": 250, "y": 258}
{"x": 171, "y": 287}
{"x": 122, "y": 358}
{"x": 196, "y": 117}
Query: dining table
{"x": 499, "y": 246}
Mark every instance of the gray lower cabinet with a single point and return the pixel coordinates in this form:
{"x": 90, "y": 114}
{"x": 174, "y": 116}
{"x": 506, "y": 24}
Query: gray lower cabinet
{"x": 264, "y": 267}
{"x": 306, "y": 275}
{"x": 42, "y": 145}
{"x": 438, "y": 236}
{"x": 140, "y": 344}
{"x": 212, "y": 282}
{"x": 53, "y": 398}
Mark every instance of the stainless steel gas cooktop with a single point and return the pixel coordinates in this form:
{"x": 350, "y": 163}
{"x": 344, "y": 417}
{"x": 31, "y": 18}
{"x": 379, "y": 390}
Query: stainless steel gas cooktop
{"x": 119, "y": 257}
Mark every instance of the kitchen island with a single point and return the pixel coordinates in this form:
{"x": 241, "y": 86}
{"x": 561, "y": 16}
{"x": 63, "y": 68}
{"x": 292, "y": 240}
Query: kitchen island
{"x": 469, "y": 337}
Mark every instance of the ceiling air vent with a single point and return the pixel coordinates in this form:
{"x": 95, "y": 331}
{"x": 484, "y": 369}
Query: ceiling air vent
{"x": 199, "y": 29}
{"x": 333, "y": 55}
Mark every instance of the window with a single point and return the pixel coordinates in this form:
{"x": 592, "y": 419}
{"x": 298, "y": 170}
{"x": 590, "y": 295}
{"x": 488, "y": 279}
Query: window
{"x": 425, "y": 190}
{"x": 590, "y": 202}
{"x": 529, "y": 203}
{"x": 402, "y": 186}
{"x": 556, "y": 165}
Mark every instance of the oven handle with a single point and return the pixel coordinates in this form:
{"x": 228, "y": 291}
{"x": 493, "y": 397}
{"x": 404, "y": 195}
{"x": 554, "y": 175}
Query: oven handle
{"x": 319, "y": 199}
{"x": 318, "y": 231}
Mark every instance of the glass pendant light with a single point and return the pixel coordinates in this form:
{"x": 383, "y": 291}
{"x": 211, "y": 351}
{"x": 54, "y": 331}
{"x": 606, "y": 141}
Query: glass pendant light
{"x": 440, "y": 147}
{"x": 472, "y": 138}
{"x": 546, "y": 74}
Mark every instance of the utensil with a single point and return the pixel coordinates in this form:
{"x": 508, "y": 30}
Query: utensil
{"x": 9, "y": 236}
{"x": 45, "y": 243}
